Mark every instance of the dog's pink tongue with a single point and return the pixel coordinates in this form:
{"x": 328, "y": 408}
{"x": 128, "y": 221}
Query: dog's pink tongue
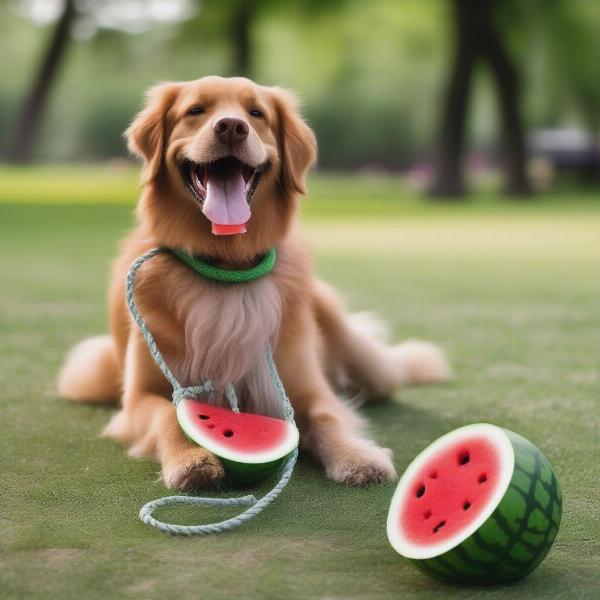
{"x": 225, "y": 204}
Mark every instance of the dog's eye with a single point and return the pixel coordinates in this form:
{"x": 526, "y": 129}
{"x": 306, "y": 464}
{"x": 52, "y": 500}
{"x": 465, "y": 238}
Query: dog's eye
{"x": 196, "y": 110}
{"x": 256, "y": 113}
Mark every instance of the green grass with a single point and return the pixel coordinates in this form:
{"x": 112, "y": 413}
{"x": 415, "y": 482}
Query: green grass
{"x": 510, "y": 291}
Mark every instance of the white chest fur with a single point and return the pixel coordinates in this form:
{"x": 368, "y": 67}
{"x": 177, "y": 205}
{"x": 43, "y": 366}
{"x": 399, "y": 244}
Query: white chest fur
{"x": 228, "y": 329}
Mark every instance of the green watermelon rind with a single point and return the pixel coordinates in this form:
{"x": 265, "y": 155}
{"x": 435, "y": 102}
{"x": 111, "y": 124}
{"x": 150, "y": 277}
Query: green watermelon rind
{"x": 241, "y": 468}
{"x": 516, "y": 537}
{"x": 247, "y": 474}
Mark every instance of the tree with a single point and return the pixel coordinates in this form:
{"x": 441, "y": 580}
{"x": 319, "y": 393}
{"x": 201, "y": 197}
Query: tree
{"x": 33, "y": 107}
{"x": 478, "y": 39}
{"x": 234, "y": 21}
{"x": 242, "y": 21}
{"x": 28, "y": 122}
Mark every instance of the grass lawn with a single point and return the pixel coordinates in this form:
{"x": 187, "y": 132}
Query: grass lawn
{"x": 510, "y": 291}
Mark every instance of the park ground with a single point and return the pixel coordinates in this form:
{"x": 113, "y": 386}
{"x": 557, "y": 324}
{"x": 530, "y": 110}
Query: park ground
{"x": 509, "y": 289}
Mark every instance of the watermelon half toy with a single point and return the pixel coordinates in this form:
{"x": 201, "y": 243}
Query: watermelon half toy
{"x": 480, "y": 505}
{"x": 251, "y": 447}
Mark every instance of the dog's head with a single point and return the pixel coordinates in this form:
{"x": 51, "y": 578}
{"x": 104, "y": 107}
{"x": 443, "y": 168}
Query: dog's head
{"x": 221, "y": 155}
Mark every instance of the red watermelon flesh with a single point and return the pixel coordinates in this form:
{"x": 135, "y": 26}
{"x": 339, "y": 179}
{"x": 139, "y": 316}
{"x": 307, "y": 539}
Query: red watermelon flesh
{"x": 241, "y": 432}
{"x": 450, "y": 490}
{"x": 250, "y": 446}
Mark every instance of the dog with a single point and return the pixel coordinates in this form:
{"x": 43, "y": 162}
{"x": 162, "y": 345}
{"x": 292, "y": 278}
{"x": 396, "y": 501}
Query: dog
{"x": 224, "y": 165}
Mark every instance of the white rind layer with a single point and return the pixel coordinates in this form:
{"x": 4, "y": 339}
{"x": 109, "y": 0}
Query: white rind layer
{"x": 413, "y": 550}
{"x": 282, "y": 449}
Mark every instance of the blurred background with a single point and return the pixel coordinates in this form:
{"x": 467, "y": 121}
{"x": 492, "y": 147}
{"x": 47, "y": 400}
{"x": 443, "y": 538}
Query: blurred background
{"x": 508, "y": 89}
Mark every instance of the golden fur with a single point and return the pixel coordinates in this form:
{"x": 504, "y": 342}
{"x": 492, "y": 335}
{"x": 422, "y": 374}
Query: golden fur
{"x": 205, "y": 329}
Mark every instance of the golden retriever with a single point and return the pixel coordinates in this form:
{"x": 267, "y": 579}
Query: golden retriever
{"x": 225, "y": 161}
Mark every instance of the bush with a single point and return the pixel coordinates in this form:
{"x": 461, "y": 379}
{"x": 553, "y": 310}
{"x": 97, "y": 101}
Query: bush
{"x": 353, "y": 134}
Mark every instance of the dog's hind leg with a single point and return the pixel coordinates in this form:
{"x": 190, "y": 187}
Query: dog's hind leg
{"x": 91, "y": 372}
{"x": 354, "y": 347}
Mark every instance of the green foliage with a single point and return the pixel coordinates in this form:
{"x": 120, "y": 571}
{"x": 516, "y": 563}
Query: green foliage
{"x": 336, "y": 54}
{"x": 369, "y": 73}
{"x": 558, "y": 47}
{"x": 574, "y": 53}
{"x": 353, "y": 134}
{"x": 104, "y": 127}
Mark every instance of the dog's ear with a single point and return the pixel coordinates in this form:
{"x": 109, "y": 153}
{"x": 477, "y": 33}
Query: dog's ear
{"x": 297, "y": 142}
{"x": 146, "y": 136}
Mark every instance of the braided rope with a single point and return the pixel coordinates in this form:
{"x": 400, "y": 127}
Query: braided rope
{"x": 137, "y": 317}
{"x": 256, "y": 506}
{"x": 179, "y": 394}
{"x": 264, "y": 266}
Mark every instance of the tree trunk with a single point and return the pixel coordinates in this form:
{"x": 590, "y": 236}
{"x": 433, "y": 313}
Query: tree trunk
{"x": 514, "y": 155}
{"x": 449, "y": 179}
{"x": 243, "y": 18}
{"x": 477, "y": 38}
{"x": 20, "y": 150}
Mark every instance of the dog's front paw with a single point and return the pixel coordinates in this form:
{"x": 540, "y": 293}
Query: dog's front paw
{"x": 362, "y": 464}
{"x": 195, "y": 469}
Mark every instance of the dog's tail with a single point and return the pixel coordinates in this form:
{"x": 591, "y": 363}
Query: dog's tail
{"x": 356, "y": 345}
{"x": 91, "y": 372}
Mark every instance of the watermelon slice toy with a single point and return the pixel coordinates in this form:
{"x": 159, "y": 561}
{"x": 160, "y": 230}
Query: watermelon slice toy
{"x": 480, "y": 505}
{"x": 251, "y": 447}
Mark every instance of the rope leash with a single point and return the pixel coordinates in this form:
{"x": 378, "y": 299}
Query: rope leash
{"x": 195, "y": 392}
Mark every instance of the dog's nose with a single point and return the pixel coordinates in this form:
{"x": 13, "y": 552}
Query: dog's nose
{"x": 231, "y": 130}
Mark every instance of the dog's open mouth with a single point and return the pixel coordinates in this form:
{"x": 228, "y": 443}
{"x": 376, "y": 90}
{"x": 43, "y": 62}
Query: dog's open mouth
{"x": 224, "y": 189}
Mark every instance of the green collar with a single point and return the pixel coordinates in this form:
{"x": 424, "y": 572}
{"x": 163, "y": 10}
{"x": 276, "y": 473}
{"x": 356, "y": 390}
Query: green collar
{"x": 265, "y": 266}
